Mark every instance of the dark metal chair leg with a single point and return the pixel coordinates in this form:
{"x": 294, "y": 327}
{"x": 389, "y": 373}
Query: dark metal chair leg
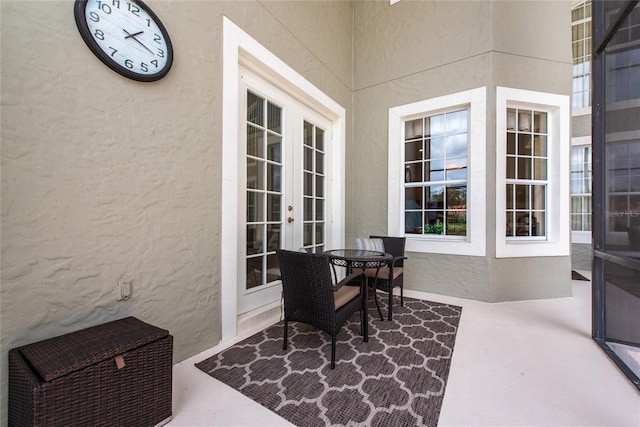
{"x": 284, "y": 344}
{"x": 333, "y": 351}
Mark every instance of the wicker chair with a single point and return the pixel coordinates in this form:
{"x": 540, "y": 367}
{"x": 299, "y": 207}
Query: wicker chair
{"x": 390, "y": 277}
{"x": 311, "y": 298}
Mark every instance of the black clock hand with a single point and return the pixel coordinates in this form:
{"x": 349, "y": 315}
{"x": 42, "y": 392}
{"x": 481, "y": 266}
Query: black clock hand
{"x": 133, "y": 36}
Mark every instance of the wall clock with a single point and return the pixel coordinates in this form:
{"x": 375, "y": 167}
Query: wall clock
{"x": 127, "y": 36}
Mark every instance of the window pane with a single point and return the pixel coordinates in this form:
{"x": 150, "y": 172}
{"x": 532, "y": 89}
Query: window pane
{"x": 273, "y": 147}
{"x": 511, "y": 167}
{"x": 511, "y": 119}
{"x": 457, "y": 197}
{"x": 413, "y": 129}
{"x": 524, "y": 145}
{"x": 307, "y": 132}
{"x": 254, "y": 238}
{"x": 456, "y": 169}
{"x": 319, "y": 162}
{"x": 413, "y": 172}
{"x": 308, "y": 158}
{"x": 273, "y": 237}
{"x": 319, "y": 209}
{"x": 273, "y": 207}
{"x": 434, "y": 171}
{"x": 255, "y": 143}
{"x": 308, "y": 209}
{"x": 538, "y": 227}
{"x": 273, "y": 177}
{"x": 273, "y": 268}
{"x": 319, "y": 139}
{"x": 319, "y": 186}
{"x": 524, "y": 168}
{"x": 456, "y": 122}
{"x": 308, "y": 184}
{"x": 434, "y": 222}
{"x": 436, "y": 149}
{"x": 522, "y": 196}
{"x": 434, "y": 197}
{"x": 436, "y": 125}
{"x": 511, "y": 143}
{"x": 456, "y": 145}
{"x": 538, "y": 199}
{"x": 254, "y": 272}
{"x": 540, "y": 169}
{"x": 540, "y": 146}
{"x": 413, "y": 151}
{"x": 255, "y": 206}
{"x": 510, "y": 189}
{"x": 255, "y": 109}
{"x": 524, "y": 120}
{"x": 457, "y": 223}
{"x": 255, "y": 174}
{"x": 274, "y": 121}
{"x": 307, "y": 238}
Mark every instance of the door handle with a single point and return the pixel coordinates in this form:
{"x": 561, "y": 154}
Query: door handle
{"x": 290, "y": 220}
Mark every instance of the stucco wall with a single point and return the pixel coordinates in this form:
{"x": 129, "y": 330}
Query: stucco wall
{"x": 414, "y": 51}
{"x": 104, "y": 178}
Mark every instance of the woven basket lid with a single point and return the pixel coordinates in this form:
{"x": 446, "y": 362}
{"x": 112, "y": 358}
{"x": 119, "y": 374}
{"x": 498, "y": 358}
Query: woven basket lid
{"x": 55, "y": 357}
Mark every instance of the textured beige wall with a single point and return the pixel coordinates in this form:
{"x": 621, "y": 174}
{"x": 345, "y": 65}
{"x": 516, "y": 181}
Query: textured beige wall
{"x": 418, "y": 50}
{"x": 104, "y": 178}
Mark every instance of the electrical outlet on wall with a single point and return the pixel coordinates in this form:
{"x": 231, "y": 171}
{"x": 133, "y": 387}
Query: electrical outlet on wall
{"x": 124, "y": 290}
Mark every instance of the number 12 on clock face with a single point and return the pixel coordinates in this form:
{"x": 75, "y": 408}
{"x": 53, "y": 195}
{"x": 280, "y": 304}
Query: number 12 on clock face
{"x": 127, "y": 36}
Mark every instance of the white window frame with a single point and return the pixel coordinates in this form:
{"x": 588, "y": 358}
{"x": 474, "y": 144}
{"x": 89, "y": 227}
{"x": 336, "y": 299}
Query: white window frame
{"x": 585, "y": 109}
{"x": 558, "y": 241}
{"x": 581, "y": 237}
{"x": 475, "y": 242}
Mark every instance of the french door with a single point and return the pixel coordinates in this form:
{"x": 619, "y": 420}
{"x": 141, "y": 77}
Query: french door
{"x": 284, "y": 206}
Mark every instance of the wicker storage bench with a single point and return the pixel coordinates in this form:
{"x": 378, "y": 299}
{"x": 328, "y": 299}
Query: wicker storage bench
{"x": 114, "y": 374}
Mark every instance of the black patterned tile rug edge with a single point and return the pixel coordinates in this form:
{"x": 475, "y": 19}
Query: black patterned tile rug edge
{"x": 398, "y": 378}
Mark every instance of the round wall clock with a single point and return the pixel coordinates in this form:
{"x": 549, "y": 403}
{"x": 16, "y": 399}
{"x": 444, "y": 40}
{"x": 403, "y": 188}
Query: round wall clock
{"x": 127, "y": 36}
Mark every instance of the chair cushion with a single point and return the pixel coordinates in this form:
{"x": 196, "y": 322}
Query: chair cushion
{"x": 345, "y": 294}
{"x": 370, "y": 244}
{"x": 383, "y": 273}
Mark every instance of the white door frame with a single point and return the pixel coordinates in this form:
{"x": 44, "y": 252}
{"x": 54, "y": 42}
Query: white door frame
{"x": 239, "y": 47}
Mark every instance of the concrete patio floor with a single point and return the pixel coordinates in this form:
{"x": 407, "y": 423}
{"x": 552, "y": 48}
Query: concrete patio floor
{"x": 528, "y": 363}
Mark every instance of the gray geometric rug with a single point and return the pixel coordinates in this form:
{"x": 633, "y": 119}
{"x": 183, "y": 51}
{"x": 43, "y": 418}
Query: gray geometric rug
{"x": 398, "y": 378}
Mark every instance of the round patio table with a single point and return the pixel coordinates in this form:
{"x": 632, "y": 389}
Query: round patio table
{"x": 360, "y": 258}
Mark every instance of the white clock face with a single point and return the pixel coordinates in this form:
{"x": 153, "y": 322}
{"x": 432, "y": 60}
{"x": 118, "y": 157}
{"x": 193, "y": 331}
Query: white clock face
{"x": 130, "y": 36}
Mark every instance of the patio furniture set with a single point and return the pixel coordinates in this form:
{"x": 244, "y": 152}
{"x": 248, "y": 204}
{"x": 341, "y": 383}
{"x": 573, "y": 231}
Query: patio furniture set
{"x": 313, "y": 294}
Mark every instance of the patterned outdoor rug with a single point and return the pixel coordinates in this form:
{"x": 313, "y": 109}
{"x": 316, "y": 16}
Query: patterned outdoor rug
{"x": 398, "y": 378}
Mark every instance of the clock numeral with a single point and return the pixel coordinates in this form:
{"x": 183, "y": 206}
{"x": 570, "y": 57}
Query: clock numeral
{"x": 155, "y": 62}
{"x": 134, "y": 9}
{"x": 160, "y": 53}
{"x": 94, "y": 17}
{"x": 148, "y": 22}
{"x": 157, "y": 38}
{"x": 113, "y": 51}
{"x": 115, "y": 3}
{"x": 128, "y": 63}
{"x": 144, "y": 67}
{"x": 104, "y": 7}
{"x": 99, "y": 34}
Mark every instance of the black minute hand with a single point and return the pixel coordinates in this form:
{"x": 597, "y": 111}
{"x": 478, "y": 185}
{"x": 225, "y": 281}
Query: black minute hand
{"x": 133, "y": 36}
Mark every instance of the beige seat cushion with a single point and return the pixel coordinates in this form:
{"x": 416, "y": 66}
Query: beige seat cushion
{"x": 345, "y": 294}
{"x": 383, "y": 273}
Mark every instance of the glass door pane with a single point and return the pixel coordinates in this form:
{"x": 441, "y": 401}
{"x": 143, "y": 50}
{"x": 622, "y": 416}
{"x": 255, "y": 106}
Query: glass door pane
{"x": 313, "y": 188}
{"x": 264, "y": 190}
